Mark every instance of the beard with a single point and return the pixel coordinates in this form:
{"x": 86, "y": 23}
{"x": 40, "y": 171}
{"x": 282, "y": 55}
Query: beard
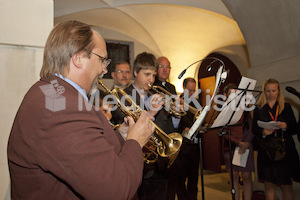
{"x": 95, "y": 85}
{"x": 124, "y": 84}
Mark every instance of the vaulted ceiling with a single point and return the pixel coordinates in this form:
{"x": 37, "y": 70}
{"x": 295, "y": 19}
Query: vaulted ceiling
{"x": 184, "y": 31}
{"x": 250, "y": 33}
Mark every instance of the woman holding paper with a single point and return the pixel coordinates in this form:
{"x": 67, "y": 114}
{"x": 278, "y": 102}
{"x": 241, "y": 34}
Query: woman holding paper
{"x": 275, "y": 168}
{"x": 241, "y": 137}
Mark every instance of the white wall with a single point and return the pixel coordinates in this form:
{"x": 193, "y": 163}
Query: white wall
{"x": 287, "y": 72}
{"x": 25, "y": 25}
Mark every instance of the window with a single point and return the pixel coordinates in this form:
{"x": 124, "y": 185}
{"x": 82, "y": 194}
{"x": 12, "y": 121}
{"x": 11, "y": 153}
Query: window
{"x": 118, "y": 51}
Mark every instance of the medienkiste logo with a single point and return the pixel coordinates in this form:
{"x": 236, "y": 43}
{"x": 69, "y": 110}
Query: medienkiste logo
{"x": 54, "y": 100}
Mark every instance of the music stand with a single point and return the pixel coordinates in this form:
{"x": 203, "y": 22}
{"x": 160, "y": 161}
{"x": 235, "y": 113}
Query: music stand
{"x": 233, "y": 108}
{"x": 195, "y": 131}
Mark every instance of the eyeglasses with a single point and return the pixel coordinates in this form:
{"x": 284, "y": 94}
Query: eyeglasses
{"x": 123, "y": 72}
{"x": 104, "y": 61}
{"x": 164, "y": 66}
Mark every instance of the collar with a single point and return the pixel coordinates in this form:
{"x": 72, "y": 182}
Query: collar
{"x": 146, "y": 95}
{"x": 145, "y": 100}
{"x": 75, "y": 85}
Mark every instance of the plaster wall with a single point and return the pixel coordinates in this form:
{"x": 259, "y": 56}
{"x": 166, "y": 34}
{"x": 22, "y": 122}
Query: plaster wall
{"x": 25, "y": 25}
{"x": 272, "y": 43}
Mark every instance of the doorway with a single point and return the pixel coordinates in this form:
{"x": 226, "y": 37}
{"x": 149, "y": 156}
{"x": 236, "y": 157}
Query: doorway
{"x": 212, "y": 143}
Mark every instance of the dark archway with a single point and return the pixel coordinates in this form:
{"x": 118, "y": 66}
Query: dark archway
{"x": 212, "y": 143}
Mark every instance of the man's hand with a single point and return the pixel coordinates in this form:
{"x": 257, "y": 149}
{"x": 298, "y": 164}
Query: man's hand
{"x": 156, "y": 103}
{"x": 124, "y": 127}
{"x": 141, "y": 130}
{"x": 178, "y": 104}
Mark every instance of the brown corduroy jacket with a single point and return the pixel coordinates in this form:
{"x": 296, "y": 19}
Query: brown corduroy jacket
{"x": 71, "y": 153}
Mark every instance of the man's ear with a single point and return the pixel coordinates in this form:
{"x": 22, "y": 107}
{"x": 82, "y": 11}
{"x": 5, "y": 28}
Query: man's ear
{"x": 113, "y": 74}
{"x": 134, "y": 73}
{"x": 77, "y": 60}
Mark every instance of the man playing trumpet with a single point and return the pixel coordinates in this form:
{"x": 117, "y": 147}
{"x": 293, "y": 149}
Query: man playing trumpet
{"x": 66, "y": 152}
{"x": 155, "y": 181}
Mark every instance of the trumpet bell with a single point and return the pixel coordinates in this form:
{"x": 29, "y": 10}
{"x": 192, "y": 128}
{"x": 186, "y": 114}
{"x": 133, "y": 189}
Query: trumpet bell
{"x": 171, "y": 149}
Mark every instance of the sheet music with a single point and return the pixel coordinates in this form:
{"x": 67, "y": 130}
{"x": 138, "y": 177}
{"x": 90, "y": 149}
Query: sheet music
{"x": 201, "y": 117}
{"x": 240, "y": 159}
{"x": 270, "y": 124}
{"x": 232, "y": 102}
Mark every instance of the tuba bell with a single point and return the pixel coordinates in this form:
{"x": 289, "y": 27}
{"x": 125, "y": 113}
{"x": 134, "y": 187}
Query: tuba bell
{"x": 160, "y": 143}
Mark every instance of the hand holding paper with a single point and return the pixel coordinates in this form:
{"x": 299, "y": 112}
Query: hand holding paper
{"x": 268, "y": 125}
{"x": 240, "y": 159}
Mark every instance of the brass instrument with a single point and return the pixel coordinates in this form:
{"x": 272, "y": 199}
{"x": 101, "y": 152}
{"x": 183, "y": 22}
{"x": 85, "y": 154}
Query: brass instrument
{"x": 169, "y": 103}
{"x": 114, "y": 126}
{"x": 192, "y": 109}
{"x": 162, "y": 91}
{"x": 162, "y": 144}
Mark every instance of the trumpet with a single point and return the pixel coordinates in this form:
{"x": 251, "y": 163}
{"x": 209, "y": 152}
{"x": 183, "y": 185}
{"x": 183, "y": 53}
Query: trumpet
{"x": 169, "y": 105}
{"x": 160, "y": 144}
{"x": 177, "y": 113}
{"x": 192, "y": 109}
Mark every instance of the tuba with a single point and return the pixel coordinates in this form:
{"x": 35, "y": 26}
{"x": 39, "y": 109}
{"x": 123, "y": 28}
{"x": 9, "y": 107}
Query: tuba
{"x": 160, "y": 143}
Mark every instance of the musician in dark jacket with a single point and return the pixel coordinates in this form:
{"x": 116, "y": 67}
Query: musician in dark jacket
{"x": 161, "y": 79}
{"x": 163, "y": 73}
{"x": 189, "y": 155}
{"x": 155, "y": 180}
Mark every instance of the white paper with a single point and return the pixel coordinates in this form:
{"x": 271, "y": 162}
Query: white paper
{"x": 240, "y": 159}
{"x": 206, "y": 109}
{"x": 270, "y": 124}
{"x": 231, "y": 105}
